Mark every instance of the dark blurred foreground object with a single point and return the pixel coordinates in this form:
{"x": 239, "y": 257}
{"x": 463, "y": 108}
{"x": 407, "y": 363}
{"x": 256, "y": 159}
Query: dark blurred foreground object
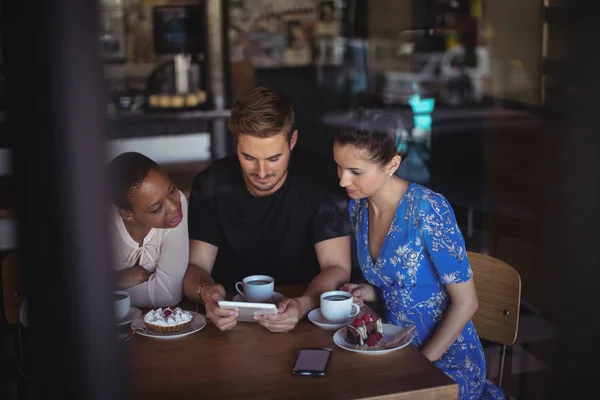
{"x": 57, "y": 102}
{"x": 572, "y": 180}
{"x": 3, "y": 99}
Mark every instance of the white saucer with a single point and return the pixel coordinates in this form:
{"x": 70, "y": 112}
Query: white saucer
{"x": 198, "y": 322}
{"x": 319, "y": 320}
{"x": 389, "y": 332}
{"x": 276, "y": 297}
{"x": 133, "y": 314}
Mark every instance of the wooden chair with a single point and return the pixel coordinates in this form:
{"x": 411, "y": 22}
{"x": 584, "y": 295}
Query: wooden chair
{"x": 13, "y": 291}
{"x": 12, "y": 287}
{"x": 498, "y": 288}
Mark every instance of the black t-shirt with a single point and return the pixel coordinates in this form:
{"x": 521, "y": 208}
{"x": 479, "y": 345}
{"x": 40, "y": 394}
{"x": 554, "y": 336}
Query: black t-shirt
{"x": 271, "y": 235}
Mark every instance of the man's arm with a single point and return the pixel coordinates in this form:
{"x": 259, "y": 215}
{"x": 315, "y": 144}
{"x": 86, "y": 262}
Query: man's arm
{"x": 201, "y": 262}
{"x": 199, "y": 285}
{"x": 334, "y": 259}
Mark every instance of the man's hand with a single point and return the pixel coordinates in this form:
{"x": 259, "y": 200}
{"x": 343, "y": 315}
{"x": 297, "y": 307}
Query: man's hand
{"x": 223, "y": 319}
{"x": 290, "y": 312}
{"x": 361, "y": 292}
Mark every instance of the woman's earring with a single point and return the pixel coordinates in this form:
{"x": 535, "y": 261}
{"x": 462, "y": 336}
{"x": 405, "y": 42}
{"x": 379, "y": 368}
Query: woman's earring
{"x": 390, "y": 174}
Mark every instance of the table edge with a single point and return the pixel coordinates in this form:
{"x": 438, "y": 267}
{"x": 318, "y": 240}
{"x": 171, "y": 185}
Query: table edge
{"x": 423, "y": 394}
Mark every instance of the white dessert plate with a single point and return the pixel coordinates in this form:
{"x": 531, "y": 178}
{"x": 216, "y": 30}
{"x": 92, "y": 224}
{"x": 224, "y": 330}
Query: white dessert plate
{"x": 389, "y": 332}
{"x": 198, "y": 322}
{"x": 317, "y": 318}
{"x": 133, "y": 314}
{"x": 276, "y": 297}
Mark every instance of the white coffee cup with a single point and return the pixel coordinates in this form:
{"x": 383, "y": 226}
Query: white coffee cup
{"x": 337, "y": 306}
{"x": 256, "y": 288}
{"x": 122, "y": 304}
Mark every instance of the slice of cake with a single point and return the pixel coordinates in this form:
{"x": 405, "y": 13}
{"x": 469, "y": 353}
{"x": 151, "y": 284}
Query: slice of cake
{"x": 356, "y": 333}
{"x": 367, "y": 329}
{"x": 373, "y": 324}
{"x": 168, "y": 319}
{"x": 373, "y": 339}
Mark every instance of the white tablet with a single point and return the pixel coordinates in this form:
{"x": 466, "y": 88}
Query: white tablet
{"x": 248, "y": 310}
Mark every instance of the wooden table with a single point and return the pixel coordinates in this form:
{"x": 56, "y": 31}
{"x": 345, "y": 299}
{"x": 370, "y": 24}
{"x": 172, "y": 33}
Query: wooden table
{"x": 251, "y": 362}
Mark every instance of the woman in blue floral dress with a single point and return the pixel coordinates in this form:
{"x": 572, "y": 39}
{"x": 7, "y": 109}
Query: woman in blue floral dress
{"x": 412, "y": 255}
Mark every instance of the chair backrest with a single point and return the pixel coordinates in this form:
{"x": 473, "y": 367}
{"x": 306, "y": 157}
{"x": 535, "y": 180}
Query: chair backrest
{"x": 498, "y": 288}
{"x": 12, "y": 288}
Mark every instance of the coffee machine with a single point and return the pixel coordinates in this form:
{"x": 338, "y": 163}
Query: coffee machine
{"x": 179, "y": 82}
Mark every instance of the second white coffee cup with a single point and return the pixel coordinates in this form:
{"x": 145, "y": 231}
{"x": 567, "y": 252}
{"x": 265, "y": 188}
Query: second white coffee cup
{"x": 337, "y": 306}
{"x": 122, "y": 304}
{"x": 256, "y": 288}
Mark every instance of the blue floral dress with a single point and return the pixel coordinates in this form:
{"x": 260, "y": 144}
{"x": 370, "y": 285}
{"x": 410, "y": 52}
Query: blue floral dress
{"x": 424, "y": 251}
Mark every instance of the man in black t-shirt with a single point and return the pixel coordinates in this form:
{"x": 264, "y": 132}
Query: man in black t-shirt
{"x": 270, "y": 210}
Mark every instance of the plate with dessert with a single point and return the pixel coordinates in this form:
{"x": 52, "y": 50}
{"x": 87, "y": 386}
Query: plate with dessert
{"x": 367, "y": 334}
{"x": 168, "y": 323}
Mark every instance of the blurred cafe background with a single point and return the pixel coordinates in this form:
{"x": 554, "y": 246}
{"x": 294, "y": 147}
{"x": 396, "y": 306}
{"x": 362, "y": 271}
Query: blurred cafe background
{"x": 497, "y": 98}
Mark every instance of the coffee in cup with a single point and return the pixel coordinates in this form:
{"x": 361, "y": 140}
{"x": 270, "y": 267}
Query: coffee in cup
{"x": 337, "y": 306}
{"x": 256, "y": 288}
{"x": 122, "y": 304}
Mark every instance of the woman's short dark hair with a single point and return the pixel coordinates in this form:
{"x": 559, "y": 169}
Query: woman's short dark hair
{"x": 378, "y": 132}
{"x": 127, "y": 172}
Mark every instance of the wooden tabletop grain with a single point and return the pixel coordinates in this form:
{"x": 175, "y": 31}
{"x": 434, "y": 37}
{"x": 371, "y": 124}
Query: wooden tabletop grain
{"x": 251, "y": 362}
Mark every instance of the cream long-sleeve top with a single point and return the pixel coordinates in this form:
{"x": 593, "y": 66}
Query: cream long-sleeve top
{"x": 164, "y": 253}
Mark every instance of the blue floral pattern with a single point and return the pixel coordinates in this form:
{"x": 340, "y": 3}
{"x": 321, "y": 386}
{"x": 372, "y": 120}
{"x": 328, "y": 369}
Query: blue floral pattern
{"x": 424, "y": 250}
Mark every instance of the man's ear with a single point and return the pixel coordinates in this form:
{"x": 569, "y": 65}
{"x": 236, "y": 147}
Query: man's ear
{"x": 294, "y": 139}
{"x": 126, "y": 215}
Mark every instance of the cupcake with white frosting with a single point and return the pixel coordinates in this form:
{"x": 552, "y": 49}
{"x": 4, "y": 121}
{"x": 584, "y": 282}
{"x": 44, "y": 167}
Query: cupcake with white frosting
{"x": 168, "y": 319}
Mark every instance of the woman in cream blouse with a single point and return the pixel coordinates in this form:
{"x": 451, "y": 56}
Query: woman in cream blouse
{"x": 149, "y": 231}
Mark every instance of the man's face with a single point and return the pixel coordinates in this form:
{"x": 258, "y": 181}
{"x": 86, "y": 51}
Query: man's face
{"x": 264, "y": 161}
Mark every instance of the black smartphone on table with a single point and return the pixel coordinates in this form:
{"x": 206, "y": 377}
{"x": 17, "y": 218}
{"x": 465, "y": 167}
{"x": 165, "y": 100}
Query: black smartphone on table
{"x": 311, "y": 362}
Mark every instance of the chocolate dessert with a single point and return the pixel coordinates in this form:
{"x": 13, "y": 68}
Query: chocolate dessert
{"x": 373, "y": 324}
{"x": 367, "y": 329}
{"x": 356, "y": 333}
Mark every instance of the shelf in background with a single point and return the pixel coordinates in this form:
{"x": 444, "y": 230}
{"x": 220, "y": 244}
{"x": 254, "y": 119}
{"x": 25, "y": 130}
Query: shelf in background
{"x": 147, "y": 124}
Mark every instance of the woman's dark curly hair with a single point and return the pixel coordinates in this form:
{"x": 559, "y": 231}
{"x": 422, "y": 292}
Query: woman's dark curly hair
{"x": 127, "y": 172}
